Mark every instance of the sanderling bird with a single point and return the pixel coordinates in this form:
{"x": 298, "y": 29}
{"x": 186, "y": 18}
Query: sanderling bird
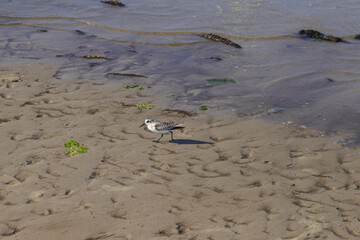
{"x": 161, "y": 127}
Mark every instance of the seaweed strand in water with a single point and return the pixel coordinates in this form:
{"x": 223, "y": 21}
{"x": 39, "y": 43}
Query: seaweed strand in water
{"x": 217, "y": 38}
{"x": 126, "y": 75}
{"x": 94, "y": 57}
{"x": 114, "y": 3}
{"x": 86, "y": 56}
{"x": 320, "y": 36}
{"x": 80, "y": 32}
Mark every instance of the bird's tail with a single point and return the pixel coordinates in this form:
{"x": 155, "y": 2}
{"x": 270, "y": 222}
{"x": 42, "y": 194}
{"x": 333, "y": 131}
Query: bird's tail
{"x": 179, "y": 126}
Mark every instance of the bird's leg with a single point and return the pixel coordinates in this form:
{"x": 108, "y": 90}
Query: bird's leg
{"x": 172, "y": 135}
{"x": 159, "y": 138}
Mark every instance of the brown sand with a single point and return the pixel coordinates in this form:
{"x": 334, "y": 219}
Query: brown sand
{"x": 224, "y": 178}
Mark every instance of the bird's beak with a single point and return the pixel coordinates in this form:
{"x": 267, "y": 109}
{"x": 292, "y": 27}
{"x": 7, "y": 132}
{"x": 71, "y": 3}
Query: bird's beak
{"x": 142, "y": 125}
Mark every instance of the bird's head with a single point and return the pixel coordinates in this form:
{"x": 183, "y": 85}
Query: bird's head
{"x": 147, "y": 121}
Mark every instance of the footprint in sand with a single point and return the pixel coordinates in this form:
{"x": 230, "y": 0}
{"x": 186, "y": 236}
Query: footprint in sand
{"x": 35, "y": 196}
{"x": 43, "y": 212}
{"x": 8, "y": 230}
{"x": 5, "y": 96}
{"x": 8, "y": 79}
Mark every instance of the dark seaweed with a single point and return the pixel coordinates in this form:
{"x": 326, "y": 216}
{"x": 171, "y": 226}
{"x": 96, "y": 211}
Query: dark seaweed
{"x": 220, "y": 80}
{"x": 126, "y": 75}
{"x": 114, "y": 3}
{"x": 86, "y": 56}
{"x": 66, "y": 55}
{"x": 215, "y": 58}
{"x": 80, "y": 32}
{"x": 217, "y": 38}
{"x": 320, "y": 36}
{"x": 94, "y": 57}
{"x": 330, "y": 79}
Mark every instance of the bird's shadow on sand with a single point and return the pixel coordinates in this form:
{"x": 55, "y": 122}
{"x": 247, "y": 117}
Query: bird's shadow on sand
{"x": 189, "y": 141}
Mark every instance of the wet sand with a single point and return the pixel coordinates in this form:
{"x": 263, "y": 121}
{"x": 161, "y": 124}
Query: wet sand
{"x": 222, "y": 178}
{"x": 316, "y": 83}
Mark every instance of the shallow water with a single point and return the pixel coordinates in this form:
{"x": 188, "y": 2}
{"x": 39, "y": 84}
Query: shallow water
{"x": 315, "y": 83}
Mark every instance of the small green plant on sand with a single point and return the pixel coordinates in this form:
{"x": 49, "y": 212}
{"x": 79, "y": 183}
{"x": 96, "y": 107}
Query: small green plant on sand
{"x": 145, "y": 106}
{"x": 203, "y": 108}
{"x": 220, "y": 80}
{"x": 74, "y": 147}
{"x": 134, "y": 86}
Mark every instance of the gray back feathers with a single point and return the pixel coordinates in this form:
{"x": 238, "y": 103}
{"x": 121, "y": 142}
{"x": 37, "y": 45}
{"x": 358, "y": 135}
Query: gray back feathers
{"x": 168, "y": 126}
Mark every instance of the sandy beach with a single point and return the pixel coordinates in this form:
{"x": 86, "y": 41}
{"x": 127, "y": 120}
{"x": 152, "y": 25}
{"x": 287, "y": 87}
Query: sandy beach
{"x": 222, "y": 178}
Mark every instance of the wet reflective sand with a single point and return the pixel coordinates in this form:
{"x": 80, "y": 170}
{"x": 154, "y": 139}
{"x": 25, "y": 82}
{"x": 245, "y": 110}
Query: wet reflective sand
{"x": 315, "y": 83}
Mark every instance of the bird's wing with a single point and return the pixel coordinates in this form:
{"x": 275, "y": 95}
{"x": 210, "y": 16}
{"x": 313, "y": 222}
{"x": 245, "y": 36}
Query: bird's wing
{"x": 160, "y": 126}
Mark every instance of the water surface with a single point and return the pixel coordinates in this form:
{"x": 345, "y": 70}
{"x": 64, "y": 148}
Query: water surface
{"x": 315, "y": 83}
